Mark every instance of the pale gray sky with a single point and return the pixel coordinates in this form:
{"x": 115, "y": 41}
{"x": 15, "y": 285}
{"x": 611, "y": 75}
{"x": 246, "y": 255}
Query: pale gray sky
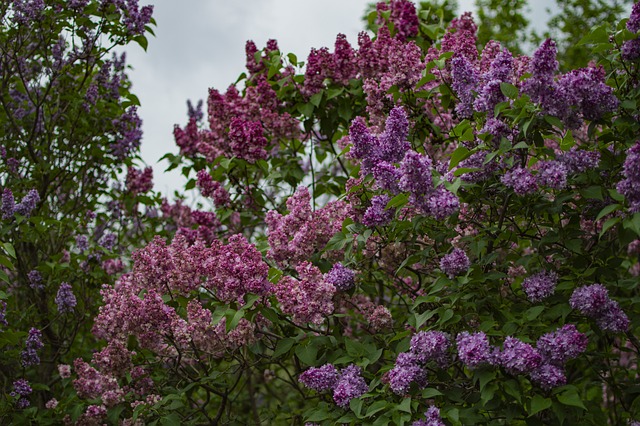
{"x": 200, "y": 44}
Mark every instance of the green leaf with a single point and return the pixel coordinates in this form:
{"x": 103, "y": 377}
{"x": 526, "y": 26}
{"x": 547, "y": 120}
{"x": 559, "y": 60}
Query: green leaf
{"x": 609, "y": 209}
{"x": 376, "y": 407}
{"x": 307, "y": 354}
{"x": 405, "y": 405}
{"x": 533, "y": 313}
{"x": 539, "y": 403}
{"x": 457, "y": 156}
{"x": 593, "y": 193}
{"x": 9, "y": 249}
{"x": 509, "y": 90}
{"x": 283, "y": 346}
{"x": 571, "y": 398}
{"x": 608, "y": 224}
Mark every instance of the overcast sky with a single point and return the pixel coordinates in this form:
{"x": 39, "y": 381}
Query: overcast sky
{"x": 200, "y": 44}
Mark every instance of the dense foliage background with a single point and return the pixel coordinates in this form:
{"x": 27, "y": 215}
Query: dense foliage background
{"x": 427, "y": 228}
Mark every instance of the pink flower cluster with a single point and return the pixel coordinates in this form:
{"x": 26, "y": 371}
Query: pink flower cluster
{"x": 239, "y": 125}
{"x": 296, "y": 236}
{"x": 136, "y": 306}
{"x": 139, "y": 181}
{"x": 308, "y": 299}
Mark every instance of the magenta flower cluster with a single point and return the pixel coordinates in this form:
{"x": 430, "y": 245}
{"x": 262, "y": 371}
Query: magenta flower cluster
{"x": 139, "y": 181}
{"x": 294, "y": 237}
{"x": 239, "y": 126}
{"x": 212, "y": 189}
{"x": 308, "y": 299}
{"x": 593, "y": 301}
{"x": 346, "y": 385}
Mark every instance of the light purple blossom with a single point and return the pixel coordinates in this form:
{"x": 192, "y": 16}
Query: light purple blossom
{"x": 474, "y": 349}
{"x": 552, "y": 174}
{"x": 518, "y": 357}
{"x": 430, "y": 345}
{"x": 633, "y": 24}
{"x": 455, "y": 263}
{"x": 377, "y": 214}
{"x": 341, "y": 277}
{"x": 321, "y": 378}
{"x": 28, "y": 203}
{"x": 8, "y": 204}
{"x": 579, "y": 160}
{"x": 442, "y": 203}
{"x": 630, "y": 186}
{"x": 65, "y": 299}
{"x": 548, "y": 376}
{"x": 32, "y": 345}
{"x": 35, "y": 280}
{"x": 521, "y": 180}
{"x": 415, "y": 171}
{"x": 406, "y": 371}
{"x": 432, "y": 418}
{"x": 540, "y": 286}
{"x": 21, "y": 389}
{"x": 350, "y": 385}
{"x": 465, "y": 83}
{"x": 562, "y": 345}
{"x": 594, "y": 302}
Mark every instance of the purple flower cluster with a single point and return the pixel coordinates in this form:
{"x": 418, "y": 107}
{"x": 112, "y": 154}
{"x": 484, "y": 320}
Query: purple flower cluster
{"x": 490, "y": 94}
{"x": 633, "y": 24}
{"x": 455, "y": 263}
{"x": 320, "y": 378}
{"x": 350, "y": 385}
{"x": 32, "y": 345}
{"x": 247, "y": 140}
{"x": 35, "y": 280}
{"x": 630, "y": 186}
{"x": 139, "y": 181}
{"x": 552, "y": 174}
{"x": 594, "y": 302}
{"x": 579, "y": 94}
{"x": 377, "y": 213}
{"x": 129, "y": 133}
{"x": 410, "y": 366}
{"x": 25, "y": 12}
{"x": 346, "y": 385}
{"x": 402, "y": 15}
{"x": 21, "y": 390}
{"x": 521, "y": 180}
{"x": 540, "y": 286}
{"x": 212, "y": 188}
{"x": 23, "y": 208}
{"x": 474, "y": 349}
{"x": 556, "y": 349}
{"x": 65, "y": 299}
{"x": 390, "y": 146}
{"x": 518, "y": 357}
{"x": 135, "y": 18}
{"x": 406, "y": 371}
{"x": 465, "y": 84}
{"x": 432, "y": 418}
{"x": 341, "y": 277}
{"x": 562, "y": 345}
